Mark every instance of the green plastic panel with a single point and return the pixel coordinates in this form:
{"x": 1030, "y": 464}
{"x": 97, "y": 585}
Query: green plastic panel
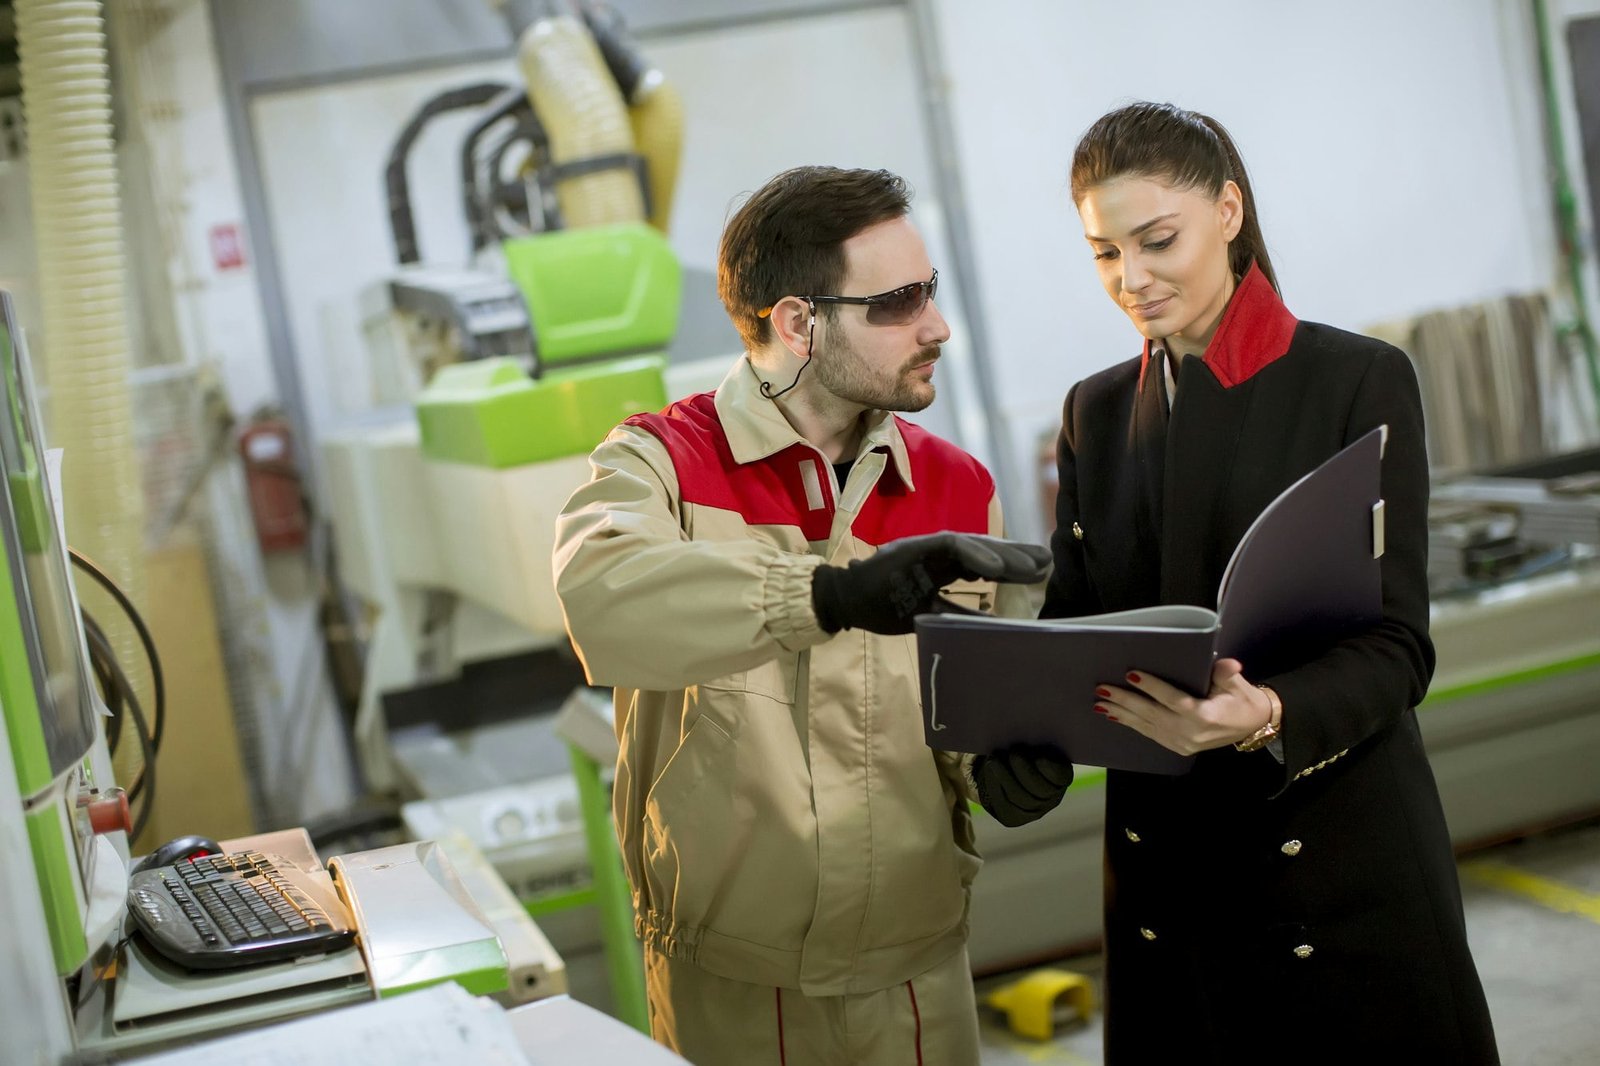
{"x": 58, "y": 880}
{"x": 597, "y": 290}
{"x": 489, "y": 413}
{"x": 19, "y": 704}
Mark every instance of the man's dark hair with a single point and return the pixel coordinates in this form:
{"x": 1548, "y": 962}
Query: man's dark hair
{"x": 788, "y": 238}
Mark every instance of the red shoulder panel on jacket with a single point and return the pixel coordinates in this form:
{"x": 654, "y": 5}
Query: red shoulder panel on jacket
{"x": 771, "y": 492}
{"x": 789, "y": 488}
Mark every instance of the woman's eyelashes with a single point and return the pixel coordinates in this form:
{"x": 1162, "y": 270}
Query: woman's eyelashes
{"x": 1154, "y": 246}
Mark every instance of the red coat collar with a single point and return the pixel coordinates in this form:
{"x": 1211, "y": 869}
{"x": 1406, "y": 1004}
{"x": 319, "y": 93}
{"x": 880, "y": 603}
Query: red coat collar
{"x": 1255, "y": 330}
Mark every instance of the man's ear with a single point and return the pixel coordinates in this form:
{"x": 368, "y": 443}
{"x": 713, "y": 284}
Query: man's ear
{"x": 792, "y": 321}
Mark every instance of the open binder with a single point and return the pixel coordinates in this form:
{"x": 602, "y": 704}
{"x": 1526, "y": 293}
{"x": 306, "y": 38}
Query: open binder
{"x": 1304, "y": 575}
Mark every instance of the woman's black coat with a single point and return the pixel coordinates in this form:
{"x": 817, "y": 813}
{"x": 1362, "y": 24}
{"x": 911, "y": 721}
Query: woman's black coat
{"x": 1259, "y": 911}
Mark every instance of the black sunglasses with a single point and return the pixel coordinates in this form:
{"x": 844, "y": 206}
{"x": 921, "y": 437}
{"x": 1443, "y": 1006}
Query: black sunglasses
{"x": 893, "y": 308}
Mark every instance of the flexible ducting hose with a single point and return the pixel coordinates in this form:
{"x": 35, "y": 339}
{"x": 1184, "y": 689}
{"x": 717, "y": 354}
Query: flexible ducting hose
{"x": 576, "y": 98}
{"x": 72, "y": 169}
{"x": 657, "y": 119}
{"x": 655, "y": 110}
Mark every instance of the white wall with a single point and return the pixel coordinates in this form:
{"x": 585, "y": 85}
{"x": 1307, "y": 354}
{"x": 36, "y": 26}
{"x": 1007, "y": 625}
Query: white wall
{"x": 1395, "y": 150}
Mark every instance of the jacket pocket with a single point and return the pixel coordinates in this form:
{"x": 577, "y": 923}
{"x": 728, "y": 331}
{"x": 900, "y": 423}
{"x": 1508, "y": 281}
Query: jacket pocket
{"x": 774, "y": 679}
{"x": 685, "y": 829}
{"x": 729, "y": 837}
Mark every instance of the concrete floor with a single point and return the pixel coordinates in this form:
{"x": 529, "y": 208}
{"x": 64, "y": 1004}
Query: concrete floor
{"x": 1533, "y": 919}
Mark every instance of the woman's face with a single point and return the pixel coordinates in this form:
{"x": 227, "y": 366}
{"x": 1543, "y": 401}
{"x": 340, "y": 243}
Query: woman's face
{"x": 1162, "y": 253}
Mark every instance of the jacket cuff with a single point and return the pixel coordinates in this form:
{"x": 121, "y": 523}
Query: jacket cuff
{"x": 786, "y": 599}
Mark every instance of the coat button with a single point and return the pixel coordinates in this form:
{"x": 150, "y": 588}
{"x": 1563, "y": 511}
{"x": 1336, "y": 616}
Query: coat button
{"x": 1150, "y": 934}
{"x": 1077, "y": 531}
{"x": 1292, "y": 848}
{"x": 1303, "y": 951}
{"x": 1133, "y": 838}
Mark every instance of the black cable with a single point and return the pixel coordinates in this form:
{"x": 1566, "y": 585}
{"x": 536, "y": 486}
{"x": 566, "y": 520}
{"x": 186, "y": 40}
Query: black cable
{"x": 157, "y": 681}
{"x": 108, "y": 691}
{"x": 145, "y": 782}
{"x": 81, "y": 995}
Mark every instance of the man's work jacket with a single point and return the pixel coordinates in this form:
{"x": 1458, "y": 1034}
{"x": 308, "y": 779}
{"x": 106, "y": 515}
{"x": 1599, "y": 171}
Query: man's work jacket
{"x": 781, "y": 820}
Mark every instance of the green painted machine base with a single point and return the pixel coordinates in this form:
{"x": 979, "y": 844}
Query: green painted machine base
{"x": 489, "y": 413}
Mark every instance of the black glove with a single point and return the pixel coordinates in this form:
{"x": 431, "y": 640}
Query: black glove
{"x": 1021, "y": 784}
{"x": 885, "y": 592}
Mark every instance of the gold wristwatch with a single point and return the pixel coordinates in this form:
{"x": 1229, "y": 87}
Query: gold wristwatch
{"x": 1264, "y": 736}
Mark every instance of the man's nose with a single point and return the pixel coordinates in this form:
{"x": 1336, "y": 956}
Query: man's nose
{"x": 931, "y": 326}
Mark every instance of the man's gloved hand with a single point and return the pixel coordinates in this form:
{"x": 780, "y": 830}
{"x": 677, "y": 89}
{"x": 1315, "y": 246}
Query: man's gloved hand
{"x": 1021, "y": 784}
{"x": 885, "y": 592}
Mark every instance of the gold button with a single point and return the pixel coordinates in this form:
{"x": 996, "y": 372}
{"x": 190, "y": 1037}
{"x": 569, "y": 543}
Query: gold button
{"x": 1133, "y": 838}
{"x": 1292, "y": 848}
{"x": 1150, "y": 934}
{"x": 1077, "y": 531}
{"x": 1303, "y": 951}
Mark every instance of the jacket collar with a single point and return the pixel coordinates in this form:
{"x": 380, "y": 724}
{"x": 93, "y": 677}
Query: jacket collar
{"x": 1255, "y": 330}
{"x": 756, "y": 428}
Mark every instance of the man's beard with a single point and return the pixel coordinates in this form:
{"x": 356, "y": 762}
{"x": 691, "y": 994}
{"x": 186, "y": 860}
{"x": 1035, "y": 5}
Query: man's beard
{"x": 840, "y": 370}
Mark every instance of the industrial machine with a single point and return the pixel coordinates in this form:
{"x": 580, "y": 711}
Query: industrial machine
{"x": 60, "y": 804}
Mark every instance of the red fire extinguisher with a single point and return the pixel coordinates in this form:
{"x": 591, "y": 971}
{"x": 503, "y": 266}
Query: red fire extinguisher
{"x": 276, "y": 493}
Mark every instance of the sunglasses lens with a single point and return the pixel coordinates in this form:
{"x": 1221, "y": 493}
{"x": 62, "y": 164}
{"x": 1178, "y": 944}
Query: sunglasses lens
{"x": 901, "y": 306}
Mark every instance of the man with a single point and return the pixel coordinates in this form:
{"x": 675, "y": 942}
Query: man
{"x": 744, "y": 568}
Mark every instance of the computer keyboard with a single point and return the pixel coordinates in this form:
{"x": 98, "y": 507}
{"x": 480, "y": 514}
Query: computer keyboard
{"x": 238, "y": 909}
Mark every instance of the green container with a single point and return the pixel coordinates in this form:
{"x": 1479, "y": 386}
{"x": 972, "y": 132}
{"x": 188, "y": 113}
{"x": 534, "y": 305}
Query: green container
{"x": 597, "y": 290}
{"x": 489, "y": 413}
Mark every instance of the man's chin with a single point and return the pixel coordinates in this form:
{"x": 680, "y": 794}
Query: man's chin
{"x": 918, "y": 398}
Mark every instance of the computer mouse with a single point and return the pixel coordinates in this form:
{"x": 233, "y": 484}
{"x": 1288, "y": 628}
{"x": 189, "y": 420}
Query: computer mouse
{"x": 190, "y": 847}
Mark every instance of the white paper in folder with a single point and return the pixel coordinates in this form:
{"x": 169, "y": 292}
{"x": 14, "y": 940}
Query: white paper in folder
{"x": 438, "y": 1026}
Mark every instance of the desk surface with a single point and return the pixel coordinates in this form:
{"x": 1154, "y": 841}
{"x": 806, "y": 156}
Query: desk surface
{"x": 440, "y": 1026}
{"x": 560, "y": 1030}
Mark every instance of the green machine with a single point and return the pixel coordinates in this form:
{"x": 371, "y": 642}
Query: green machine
{"x": 73, "y": 821}
{"x": 601, "y": 300}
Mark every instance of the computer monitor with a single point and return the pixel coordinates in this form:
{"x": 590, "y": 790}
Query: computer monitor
{"x": 44, "y": 688}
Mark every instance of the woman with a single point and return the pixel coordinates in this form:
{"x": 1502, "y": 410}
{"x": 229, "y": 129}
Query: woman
{"x": 1293, "y": 898}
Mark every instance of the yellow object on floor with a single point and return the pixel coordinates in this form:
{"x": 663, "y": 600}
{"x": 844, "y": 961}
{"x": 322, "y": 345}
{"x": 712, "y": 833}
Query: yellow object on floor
{"x": 1031, "y": 1004}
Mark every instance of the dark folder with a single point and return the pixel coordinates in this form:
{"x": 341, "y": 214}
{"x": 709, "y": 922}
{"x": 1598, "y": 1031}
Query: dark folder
{"x": 1304, "y": 575}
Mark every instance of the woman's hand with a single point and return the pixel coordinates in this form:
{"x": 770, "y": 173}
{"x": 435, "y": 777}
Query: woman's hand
{"x": 1231, "y": 711}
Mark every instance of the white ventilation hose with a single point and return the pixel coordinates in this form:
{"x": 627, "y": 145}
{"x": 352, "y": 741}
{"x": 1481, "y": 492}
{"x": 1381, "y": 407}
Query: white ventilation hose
{"x": 576, "y": 98}
{"x": 72, "y": 169}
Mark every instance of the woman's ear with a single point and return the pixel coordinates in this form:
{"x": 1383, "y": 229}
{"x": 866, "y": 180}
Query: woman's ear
{"x": 792, "y": 319}
{"x": 1230, "y": 210}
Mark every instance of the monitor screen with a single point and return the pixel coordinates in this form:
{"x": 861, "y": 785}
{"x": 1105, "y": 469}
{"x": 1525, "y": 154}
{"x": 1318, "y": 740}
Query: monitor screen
{"x": 53, "y": 688}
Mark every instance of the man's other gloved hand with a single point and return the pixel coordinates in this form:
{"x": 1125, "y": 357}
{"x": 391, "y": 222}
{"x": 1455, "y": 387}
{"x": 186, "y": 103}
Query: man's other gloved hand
{"x": 885, "y": 592}
{"x": 1021, "y": 784}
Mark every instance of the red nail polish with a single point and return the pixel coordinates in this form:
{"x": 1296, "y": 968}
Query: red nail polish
{"x": 1100, "y": 710}
{"x": 1112, "y": 718}
{"x": 1135, "y": 678}
{"x": 1103, "y": 693}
